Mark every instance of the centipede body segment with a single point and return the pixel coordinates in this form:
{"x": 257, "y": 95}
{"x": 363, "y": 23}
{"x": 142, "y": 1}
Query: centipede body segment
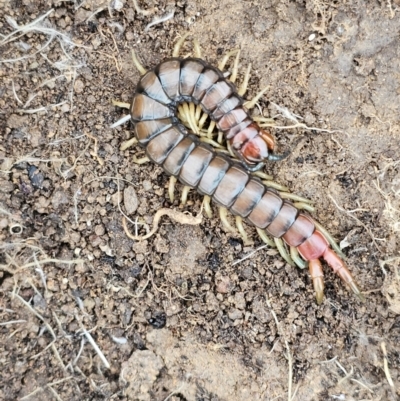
{"x": 228, "y": 181}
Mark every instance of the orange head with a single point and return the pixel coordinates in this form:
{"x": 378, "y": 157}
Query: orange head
{"x": 254, "y": 145}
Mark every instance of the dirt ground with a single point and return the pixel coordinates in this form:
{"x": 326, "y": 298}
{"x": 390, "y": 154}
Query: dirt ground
{"x": 192, "y": 313}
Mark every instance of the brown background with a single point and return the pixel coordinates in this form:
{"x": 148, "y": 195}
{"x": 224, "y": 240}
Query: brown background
{"x": 335, "y": 64}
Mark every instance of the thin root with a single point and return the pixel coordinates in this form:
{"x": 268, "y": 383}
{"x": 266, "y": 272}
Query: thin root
{"x": 175, "y": 215}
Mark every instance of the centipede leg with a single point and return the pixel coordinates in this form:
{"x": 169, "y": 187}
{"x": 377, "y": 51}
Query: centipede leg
{"x": 304, "y": 206}
{"x": 317, "y": 276}
{"x": 251, "y": 103}
{"x": 211, "y": 142}
{"x": 137, "y": 63}
{"x": 129, "y": 143}
{"x": 122, "y": 105}
{"x": 211, "y": 129}
{"x": 207, "y": 206}
{"x": 220, "y": 139}
{"x": 264, "y": 237}
{"x": 239, "y": 225}
{"x": 330, "y": 239}
{"x": 235, "y": 68}
{"x": 178, "y": 45}
{"x": 197, "y": 48}
{"x": 140, "y": 160}
{"x": 171, "y": 188}
{"x": 275, "y": 185}
{"x": 202, "y": 121}
{"x": 223, "y": 214}
{"x": 340, "y": 268}
{"x": 243, "y": 87}
{"x": 282, "y": 250}
{"x": 294, "y": 254}
{"x": 185, "y": 192}
{"x": 225, "y": 58}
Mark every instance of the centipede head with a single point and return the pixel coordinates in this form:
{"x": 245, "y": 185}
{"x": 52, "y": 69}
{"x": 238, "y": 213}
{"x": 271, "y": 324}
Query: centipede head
{"x": 255, "y": 145}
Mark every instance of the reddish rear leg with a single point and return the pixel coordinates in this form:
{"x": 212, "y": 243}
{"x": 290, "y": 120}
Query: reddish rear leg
{"x": 316, "y": 247}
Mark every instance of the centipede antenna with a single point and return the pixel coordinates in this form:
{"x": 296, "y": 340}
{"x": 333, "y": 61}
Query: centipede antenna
{"x": 294, "y": 254}
{"x": 274, "y": 157}
{"x": 178, "y": 45}
{"x": 121, "y": 121}
{"x": 243, "y": 87}
{"x": 137, "y": 63}
{"x": 282, "y": 250}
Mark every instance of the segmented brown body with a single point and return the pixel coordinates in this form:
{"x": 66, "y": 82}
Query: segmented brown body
{"x": 167, "y": 143}
{"x": 227, "y": 181}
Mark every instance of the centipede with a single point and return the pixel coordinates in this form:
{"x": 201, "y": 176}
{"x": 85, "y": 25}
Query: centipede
{"x": 223, "y": 162}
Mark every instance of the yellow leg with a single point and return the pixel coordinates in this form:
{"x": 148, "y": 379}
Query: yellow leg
{"x": 239, "y": 225}
{"x": 304, "y": 206}
{"x": 225, "y": 58}
{"x": 197, "y": 48}
{"x": 235, "y": 68}
{"x": 263, "y": 176}
{"x": 211, "y": 142}
{"x": 294, "y": 254}
{"x": 275, "y": 185}
{"x": 140, "y": 160}
{"x": 330, "y": 239}
{"x": 294, "y": 197}
{"x": 171, "y": 188}
{"x": 220, "y": 139}
{"x": 179, "y": 44}
{"x": 223, "y": 216}
{"x": 211, "y": 129}
{"x": 207, "y": 206}
{"x": 122, "y": 105}
{"x": 198, "y": 113}
{"x": 202, "y": 120}
{"x": 185, "y": 192}
{"x": 137, "y": 63}
{"x": 129, "y": 143}
{"x": 264, "y": 237}
{"x": 250, "y": 104}
{"x": 243, "y": 86}
{"x": 282, "y": 250}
